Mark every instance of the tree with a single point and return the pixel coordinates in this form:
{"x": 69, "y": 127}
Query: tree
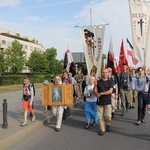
{"x": 2, "y": 62}
{"x": 37, "y": 62}
{"x": 54, "y": 65}
{"x": 15, "y": 57}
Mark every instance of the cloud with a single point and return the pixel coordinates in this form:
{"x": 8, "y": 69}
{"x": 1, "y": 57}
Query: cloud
{"x": 50, "y": 4}
{"x": 34, "y": 19}
{"x": 12, "y": 3}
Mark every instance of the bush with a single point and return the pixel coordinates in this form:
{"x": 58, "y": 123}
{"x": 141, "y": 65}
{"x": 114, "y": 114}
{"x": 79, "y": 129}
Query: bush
{"x": 18, "y": 79}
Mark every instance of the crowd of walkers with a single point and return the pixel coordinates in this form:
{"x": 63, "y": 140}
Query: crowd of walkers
{"x": 102, "y": 96}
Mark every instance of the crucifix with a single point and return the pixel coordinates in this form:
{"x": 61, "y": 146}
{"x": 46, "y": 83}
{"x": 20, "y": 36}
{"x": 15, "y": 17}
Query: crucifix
{"x": 141, "y": 22}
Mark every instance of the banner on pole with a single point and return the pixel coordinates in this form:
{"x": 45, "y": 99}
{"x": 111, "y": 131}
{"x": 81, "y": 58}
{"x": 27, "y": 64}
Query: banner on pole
{"x": 140, "y": 23}
{"x": 93, "y": 39}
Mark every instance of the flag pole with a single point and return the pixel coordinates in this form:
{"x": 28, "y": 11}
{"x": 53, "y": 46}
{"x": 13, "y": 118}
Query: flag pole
{"x": 90, "y": 16}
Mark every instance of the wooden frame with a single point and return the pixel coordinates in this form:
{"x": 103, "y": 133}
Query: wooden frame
{"x": 45, "y": 94}
{"x": 54, "y": 95}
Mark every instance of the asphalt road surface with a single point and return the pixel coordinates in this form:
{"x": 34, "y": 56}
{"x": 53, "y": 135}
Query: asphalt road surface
{"x": 124, "y": 135}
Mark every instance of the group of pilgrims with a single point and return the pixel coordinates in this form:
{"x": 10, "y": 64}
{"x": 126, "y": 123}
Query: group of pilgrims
{"x": 109, "y": 92}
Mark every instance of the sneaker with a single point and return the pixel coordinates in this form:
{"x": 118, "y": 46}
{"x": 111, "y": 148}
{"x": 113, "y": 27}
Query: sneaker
{"x": 87, "y": 126}
{"x": 33, "y": 118}
{"x": 57, "y": 129}
{"x": 108, "y": 128}
{"x": 123, "y": 114}
{"x": 143, "y": 121}
{"x": 138, "y": 123}
{"x": 93, "y": 124}
{"x": 112, "y": 115}
{"x": 101, "y": 133}
{"x": 23, "y": 124}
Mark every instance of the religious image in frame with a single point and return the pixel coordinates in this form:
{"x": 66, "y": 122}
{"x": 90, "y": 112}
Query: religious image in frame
{"x": 56, "y": 94}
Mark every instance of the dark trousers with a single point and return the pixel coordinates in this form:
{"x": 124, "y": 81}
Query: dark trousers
{"x": 142, "y": 98}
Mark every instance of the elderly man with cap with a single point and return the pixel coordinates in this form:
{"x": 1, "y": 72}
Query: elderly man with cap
{"x": 114, "y": 95}
{"x": 125, "y": 82}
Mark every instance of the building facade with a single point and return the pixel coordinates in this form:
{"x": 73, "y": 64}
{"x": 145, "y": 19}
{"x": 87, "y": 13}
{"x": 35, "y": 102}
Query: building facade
{"x": 29, "y": 44}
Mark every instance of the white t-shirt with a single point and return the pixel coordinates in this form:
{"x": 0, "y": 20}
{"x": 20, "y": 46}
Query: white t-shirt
{"x": 93, "y": 97}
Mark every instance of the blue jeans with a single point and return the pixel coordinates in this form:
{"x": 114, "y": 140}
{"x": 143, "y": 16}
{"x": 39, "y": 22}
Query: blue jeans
{"x": 142, "y": 98}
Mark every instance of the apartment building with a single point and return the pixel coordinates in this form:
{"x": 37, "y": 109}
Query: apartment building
{"x": 29, "y": 44}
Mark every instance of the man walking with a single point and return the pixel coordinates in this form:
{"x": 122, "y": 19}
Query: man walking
{"x": 104, "y": 91}
{"x": 142, "y": 86}
{"x": 125, "y": 81}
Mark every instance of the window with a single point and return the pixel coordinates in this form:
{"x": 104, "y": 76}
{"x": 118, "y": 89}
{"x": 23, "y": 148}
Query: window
{"x": 3, "y": 42}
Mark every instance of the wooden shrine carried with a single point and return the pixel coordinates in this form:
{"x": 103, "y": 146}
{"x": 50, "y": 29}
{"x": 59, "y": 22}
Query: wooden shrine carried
{"x": 54, "y": 95}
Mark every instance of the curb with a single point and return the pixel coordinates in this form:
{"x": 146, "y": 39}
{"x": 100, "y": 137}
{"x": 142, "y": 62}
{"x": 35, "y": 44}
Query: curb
{"x": 6, "y": 142}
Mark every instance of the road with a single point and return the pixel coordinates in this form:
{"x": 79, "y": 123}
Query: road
{"x": 125, "y": 135}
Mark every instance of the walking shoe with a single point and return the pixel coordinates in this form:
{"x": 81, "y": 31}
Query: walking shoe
{"x": 57, "y": 129}
{"x": 33, "y": 118}
{"x": 112, "y": 115}
{"x": 123, "y": 114}
{"x": 108, "y": 128}
{"x": 23, "y": 124}
{"x": 143, "y": 121}
{"x": 138, "y": 123}
{"x": 87, "y": 126}
{"x": 93, "y": 124}
{"x": 101, "y": 133}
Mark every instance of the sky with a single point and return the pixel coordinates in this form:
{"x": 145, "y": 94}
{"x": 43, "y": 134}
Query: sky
{"x": 53, "y": 21}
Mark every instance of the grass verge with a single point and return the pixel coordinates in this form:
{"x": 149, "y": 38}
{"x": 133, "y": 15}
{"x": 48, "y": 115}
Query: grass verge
{"x": 13, "y": 88}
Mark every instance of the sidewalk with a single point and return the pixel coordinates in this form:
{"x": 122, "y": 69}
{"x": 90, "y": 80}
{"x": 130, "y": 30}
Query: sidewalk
{"x": 15, "y": 117}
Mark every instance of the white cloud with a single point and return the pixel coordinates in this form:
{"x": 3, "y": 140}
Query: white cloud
{"x": 34, "y": 19}
{"x": 12, "y": 3}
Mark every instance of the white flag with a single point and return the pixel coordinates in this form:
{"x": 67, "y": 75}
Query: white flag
{"x": 140, "y": 23}
{"x": 93, "y": 39}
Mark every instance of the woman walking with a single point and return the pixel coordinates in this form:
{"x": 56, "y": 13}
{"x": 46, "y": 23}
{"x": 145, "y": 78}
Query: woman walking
{"x": 90, "y": 104}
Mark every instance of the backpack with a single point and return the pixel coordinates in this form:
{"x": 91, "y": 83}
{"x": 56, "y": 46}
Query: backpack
{"x": 31, "y": 85}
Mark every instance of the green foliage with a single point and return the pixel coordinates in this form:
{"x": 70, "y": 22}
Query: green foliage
{"x": 37, "y": 62}
{"x": 18, "y": 79}
{"x": 55, "y": 66}
{"x": 15, "y": 57}
{"x": 2, "y": 62}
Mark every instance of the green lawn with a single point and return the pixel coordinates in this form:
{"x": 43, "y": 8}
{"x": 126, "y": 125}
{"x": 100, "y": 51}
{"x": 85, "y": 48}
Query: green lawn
{"x": 12, "y": 88}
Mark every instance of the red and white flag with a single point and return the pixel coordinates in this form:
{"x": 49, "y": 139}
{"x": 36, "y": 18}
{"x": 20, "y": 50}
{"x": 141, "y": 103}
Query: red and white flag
{"x": 110, "y": 56}
{"x": 69, "y": 65}
{"x": 130, "y": 52}
{"x": 122, "y": 58}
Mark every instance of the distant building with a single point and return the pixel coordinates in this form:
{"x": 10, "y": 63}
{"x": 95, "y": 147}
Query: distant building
{"x": 78, "y": 57}
{"x": 29, "y": 44}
